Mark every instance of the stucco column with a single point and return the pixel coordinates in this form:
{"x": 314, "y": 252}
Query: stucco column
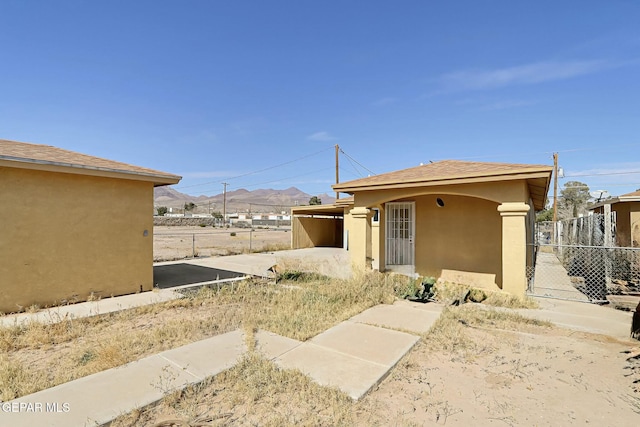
{"x": 360, "y": 238}
{"x": 514, "y": 247}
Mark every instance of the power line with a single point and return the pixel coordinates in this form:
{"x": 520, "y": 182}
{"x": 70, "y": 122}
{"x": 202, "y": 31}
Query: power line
{"x": 354, "y": 167}
{"x": 281, "y": 164}
{"x": 255, "y": 172}
{"x": 275, "y": 180}
{"x": 569, "y": 150}
{"x": 603, "y": 174}
{"x": 282, "y": 179}
{"x": 358, "y": 163}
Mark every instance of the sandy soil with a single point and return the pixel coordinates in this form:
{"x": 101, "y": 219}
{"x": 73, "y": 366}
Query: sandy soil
{"x": 172, "y": 243}
{"x": 545, "y": 378}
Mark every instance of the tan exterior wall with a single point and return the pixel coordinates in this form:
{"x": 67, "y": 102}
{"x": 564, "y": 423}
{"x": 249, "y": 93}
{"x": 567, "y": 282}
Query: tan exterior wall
{"x": 65, "y": 237}
{"x": 635, "y": 224}
{"x": 627, "y": 223}
{"x": 623, "y": 223}
{"x": 464, "y": 237}
{"x": 309, "y": 232}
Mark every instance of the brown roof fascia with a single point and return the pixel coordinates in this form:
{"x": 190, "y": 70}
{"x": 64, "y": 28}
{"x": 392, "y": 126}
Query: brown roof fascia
{"x": 157, "y": 179}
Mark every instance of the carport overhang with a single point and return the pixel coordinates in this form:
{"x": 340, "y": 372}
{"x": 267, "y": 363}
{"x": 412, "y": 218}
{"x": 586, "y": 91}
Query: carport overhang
{"x": 333, "y": 210}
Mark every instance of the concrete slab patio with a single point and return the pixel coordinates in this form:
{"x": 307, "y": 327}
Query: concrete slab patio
{"x": 331, "y": 262}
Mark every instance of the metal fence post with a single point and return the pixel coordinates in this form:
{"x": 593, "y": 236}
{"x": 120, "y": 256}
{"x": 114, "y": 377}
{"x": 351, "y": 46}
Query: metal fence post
{"x": 193, "y": 246}
{"x": 250, "y": 240}
{"x": 608, "y": 243}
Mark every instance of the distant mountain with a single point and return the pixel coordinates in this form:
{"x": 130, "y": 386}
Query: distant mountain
{"x": 241, "y": 200}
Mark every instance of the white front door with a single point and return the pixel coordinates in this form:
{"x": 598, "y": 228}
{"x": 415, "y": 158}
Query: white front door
{"x": 400, "y": 234}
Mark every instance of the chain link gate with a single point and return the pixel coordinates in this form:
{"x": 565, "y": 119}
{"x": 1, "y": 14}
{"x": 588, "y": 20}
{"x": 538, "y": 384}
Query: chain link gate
{"x": 582, "y": 272}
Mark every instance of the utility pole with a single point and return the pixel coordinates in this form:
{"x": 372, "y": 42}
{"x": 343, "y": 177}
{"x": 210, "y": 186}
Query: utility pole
{"x": 337, "y": 173}
{"x": 224, "y": 204}
{"x": 555, "y": 198}
{"x": 555, "y": 187}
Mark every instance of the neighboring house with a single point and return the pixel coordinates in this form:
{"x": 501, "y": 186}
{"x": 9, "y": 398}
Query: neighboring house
{"x": 627, "y": 209}
{"x": 465, "y": 222}
{"x": 73, "y": 226}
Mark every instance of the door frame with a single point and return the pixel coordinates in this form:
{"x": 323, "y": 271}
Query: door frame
{"x": 400, "y": 233}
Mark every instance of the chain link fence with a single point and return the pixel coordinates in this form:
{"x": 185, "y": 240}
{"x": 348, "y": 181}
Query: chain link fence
{"x": 169, "y": 245}
{"x": 587, "y": 273}
{"x": 578, "y": 259}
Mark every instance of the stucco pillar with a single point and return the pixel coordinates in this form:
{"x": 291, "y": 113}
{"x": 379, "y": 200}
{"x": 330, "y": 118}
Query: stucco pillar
{"x": 360, "y": 238}
{"x": 514, "y": 247}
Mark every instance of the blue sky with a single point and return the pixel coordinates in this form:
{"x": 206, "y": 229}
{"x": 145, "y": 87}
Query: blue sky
{"x": 257, "y": 93}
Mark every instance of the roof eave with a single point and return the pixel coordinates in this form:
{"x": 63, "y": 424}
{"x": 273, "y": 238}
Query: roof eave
{"x": 614, "y": 200}
{"x": 332, "y": 209}
{"x": 34, "y": 164}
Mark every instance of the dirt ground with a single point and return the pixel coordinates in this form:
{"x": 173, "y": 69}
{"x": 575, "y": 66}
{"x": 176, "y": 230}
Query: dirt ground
{"x": 173, "y": 243}
{"x": 535, "y": 378}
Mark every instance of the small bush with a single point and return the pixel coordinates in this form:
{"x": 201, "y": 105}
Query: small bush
{"x": 233, "y": 234}
{"x": 203, "y": 225}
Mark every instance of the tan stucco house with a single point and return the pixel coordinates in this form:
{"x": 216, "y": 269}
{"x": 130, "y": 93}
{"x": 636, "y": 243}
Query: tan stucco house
{"x": 627, "y": 209}
{"x": 465, "y": 222}
{"x": 73, "y": 226}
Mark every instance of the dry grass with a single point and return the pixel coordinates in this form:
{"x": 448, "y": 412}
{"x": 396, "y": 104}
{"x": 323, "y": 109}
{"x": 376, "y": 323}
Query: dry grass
{"x": 446, "y": 292}
{"x": 452, "y": 332}
{"x": 38, "y": 356}
{"x": 254, "y": 392}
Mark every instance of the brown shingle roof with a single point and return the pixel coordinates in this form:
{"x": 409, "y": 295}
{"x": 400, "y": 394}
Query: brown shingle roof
{"x": 27, "y": 155}
{"x": 633, "y": 194}
{"x": 445, "y": 170}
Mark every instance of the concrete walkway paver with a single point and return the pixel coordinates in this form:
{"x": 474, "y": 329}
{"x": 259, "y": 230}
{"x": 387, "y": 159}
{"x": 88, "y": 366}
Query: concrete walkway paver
{"x": 582, "y": 317}
{"x": 330, "y": 368}
{"x": 357, "y": 354}
{"x": 402, "y": 315}
{"x": 353, "y": 357}
{"x": 99, "y": 398}
{"x": 90, "y": 308}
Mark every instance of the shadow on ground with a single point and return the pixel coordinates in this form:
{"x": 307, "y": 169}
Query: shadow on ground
{"x": 169, "y": 276}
